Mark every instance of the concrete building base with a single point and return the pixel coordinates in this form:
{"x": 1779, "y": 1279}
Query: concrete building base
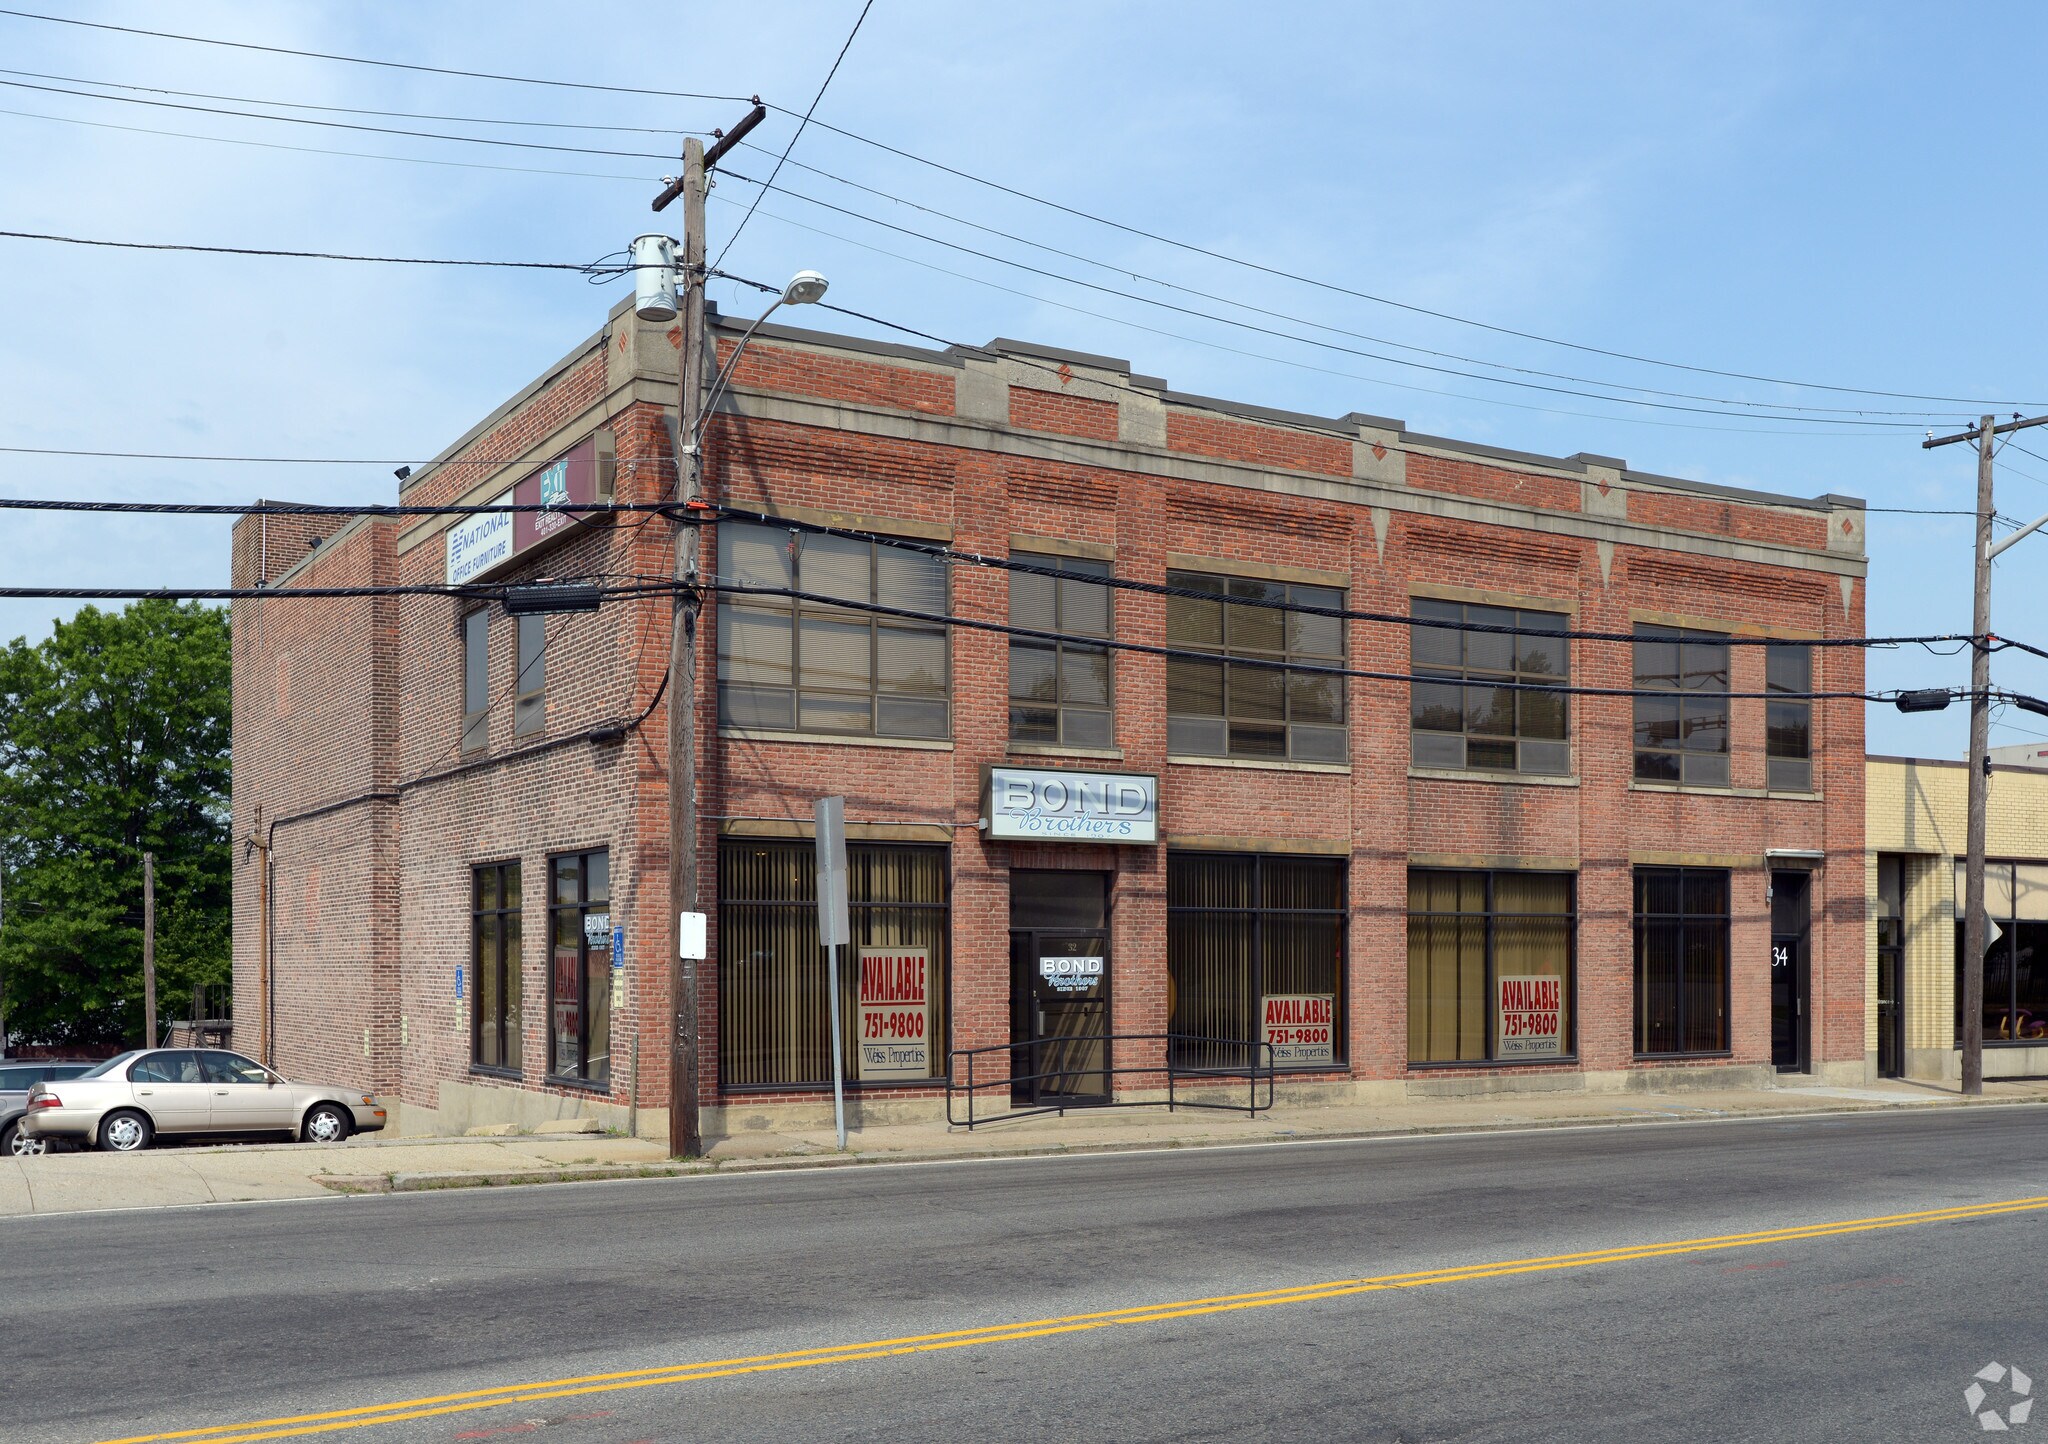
{"x": 1945, "y": 1065}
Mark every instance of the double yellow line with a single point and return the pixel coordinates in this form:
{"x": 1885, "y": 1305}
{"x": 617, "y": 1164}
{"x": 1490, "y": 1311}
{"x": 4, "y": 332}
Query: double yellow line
{"x": 368, "y": 1416}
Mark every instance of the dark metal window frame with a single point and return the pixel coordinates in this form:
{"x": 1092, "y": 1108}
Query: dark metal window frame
{"x": 1231, "y": 658}
{"x": 797, "y": 610}
{"x": 1724, "y": 920}
{"x": 1060, "y": 707}
{"x": 583, "y": 905}
{"x": 1685, "y": 639}
{"x": 1464, "y": 675}
{"x": 1788, "y": 725}
{"x": 1340, "y": 1004}
{"x": 473, "y": 642}
{"x": 849, "y": 969}
{"x": 1571, "y": 969}
{"x": 512, "y": 1021}
{"x": 2008, "y": 941}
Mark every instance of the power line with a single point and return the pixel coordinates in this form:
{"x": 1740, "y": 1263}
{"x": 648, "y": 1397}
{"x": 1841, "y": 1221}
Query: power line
{"x": 336, "y": 124}
{"x": 361, "y": 60}
{"x": 1304, "y": 340}
{"x": 320, "y": 150}
{"x": 353, "y": 109}
{"x": 579, "y": 266}
{"x": 859, "y": 20}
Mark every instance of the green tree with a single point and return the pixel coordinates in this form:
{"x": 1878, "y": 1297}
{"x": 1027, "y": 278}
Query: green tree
{"x": 113, "y": 742}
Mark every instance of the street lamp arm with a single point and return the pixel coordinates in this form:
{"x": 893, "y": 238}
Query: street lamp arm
{"x": 2033, "y": 526}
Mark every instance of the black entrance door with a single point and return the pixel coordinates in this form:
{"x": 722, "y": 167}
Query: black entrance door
{"x": 1060, "y": 981}
{"x": 1788, "y": 971}
{"x": 1891, "y": 1019}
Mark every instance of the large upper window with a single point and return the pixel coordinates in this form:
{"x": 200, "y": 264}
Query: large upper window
{"x": 1489, "y": 966}
{"x": 494, "y": 966}
{"x": 529, "y": 705}
{"x": 1226, "y": 708}
{"x": 580, "y": 967}
{"x": 1788, "y": 717}
{"x": 1255, "y": 955}
{"x": 2015, "y": 952}
{"x": 812, "y": 666}
{"x": 1471, "y": 720}
{"x": 1059, "y": 691}
{"x": 774, "y": 1015}
{"x": 1681, "y": 960}
{"x": 1682, "y": 734}
{"x": 476, "y": 680}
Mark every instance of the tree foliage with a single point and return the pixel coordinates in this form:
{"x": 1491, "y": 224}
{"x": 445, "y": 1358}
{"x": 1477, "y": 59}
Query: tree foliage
{"x": 114, "y": 741}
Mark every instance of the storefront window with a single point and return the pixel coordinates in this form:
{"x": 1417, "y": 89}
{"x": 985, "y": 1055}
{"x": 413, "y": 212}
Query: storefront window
{"x": 810, "y": 666}
{"x": 580, "y": 967}
{"x": 1223, "y": 708}
{"x": 1059, "y": 691}
{"x": 1254, "y": 949}
{"x": 1468, "y": 719}
{"x": 1489, "y": 967}
{"x": 1681, "y": 960}
{"x": 774, "y": 1019}
{"x": 2015, "y": 952}
{"x": 1682, "y": 735}
{"x": 494, "y": 966}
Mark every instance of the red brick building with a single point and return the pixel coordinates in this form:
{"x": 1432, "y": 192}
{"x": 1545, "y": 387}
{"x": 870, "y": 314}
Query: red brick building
{"x": 1466, "y": 882}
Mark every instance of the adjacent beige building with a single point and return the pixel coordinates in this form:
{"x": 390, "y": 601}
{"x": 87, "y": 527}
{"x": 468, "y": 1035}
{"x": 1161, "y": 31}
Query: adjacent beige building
{"x": 1914, "y": 831}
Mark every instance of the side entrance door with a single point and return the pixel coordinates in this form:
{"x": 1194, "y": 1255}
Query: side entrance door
{"x": 1060, "y": 988}
{"x": 1789, "y": 922}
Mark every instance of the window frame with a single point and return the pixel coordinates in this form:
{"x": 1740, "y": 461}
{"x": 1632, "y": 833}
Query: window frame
{"x": 1060, "y": 707}
{"x": 1570, "y": 1055}
{"x": 511, "y": 979}
{"x": 2008, "y": 942}
{"x": 582, "y": 907}
{"x": 1286, "y": 662}
{"x": 1255, "y": 974}
{"x": 796, "y": 612}
{"x": 1774, "y": 710}
{"x": 473, "y": 633}
{"x": 1641, "y": 920}
{"x": 849, "y": 967}
{"x": 530, "y": 676}
{"x": 1680, "y": 695}
{"x": 1465, "y": 676}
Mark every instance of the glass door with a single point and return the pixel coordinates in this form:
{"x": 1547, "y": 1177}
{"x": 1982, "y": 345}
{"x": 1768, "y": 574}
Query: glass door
{"x": 1060, "y": 987}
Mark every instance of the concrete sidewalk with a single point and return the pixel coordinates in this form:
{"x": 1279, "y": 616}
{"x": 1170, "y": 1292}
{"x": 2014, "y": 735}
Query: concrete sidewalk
{"x": 168, "y": 1177}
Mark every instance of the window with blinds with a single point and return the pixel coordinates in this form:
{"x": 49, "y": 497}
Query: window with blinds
{"x": 774, "y": 1018}
{"x": 1467, "y": 931}
{"x": 1060, "y": 691}
{"x": 813, "y": 666}
{"x": 1681, "y": 960}
{"x": 1241, "y": 928}
{"x": 476, "y": 680}
{"x": 1237, "y": 703}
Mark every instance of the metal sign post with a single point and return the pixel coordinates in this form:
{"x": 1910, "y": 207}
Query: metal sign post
{"x": 834, "y": 931}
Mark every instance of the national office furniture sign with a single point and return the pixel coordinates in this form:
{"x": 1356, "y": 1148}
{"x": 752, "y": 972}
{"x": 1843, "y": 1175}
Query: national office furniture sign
{"x": 1531, "y": 1012}
{"x": 895, "y": 1013}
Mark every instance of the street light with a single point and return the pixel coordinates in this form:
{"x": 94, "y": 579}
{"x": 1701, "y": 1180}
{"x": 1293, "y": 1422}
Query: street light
{"x": 803, "y": 288}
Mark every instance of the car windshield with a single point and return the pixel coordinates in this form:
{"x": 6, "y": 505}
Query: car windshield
{"x": 111, "y": 1064}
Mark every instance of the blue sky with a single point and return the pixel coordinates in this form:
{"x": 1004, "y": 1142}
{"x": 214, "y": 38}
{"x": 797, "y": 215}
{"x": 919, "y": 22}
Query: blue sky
{"x": 1819, "y": 193}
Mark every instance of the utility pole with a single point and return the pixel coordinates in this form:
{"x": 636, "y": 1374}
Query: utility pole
{"x": 1984, "y": 434}
{"x": 685, "y": 1132}
{"x": 3, "y": 971}
{"x": 149, "y": 950}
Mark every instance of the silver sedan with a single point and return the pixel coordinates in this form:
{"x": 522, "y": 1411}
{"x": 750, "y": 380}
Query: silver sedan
{"x": 126, "y": 1102}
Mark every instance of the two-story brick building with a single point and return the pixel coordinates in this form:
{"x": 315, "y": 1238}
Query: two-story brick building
{"x": 1201, "y": 769}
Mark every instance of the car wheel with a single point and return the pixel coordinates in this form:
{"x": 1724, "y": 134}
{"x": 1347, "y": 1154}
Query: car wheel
{"x": 327, "y": 1124}
{"x": 125, "y": 1132}
{"x": 16, "y": 1144}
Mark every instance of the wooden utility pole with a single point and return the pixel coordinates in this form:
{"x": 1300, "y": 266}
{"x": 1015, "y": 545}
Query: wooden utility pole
{"x": 149, "y": 950}
{"x": 3, "y": 972}
{"x": 685, "y": 1135}
{"x": 1972, "y": 1003}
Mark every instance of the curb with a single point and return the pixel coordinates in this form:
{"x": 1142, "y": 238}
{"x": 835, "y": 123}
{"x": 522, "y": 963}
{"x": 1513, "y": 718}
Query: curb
{"x": 429, "y": 1182}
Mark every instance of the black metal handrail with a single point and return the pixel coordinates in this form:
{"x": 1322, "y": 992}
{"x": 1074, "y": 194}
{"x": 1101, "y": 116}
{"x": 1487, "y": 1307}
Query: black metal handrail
{"x": 1259, "y": 1069}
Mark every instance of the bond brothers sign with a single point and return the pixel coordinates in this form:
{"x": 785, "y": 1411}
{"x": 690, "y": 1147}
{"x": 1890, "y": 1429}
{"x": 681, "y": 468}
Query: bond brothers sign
{"x": 1027, "y": 804}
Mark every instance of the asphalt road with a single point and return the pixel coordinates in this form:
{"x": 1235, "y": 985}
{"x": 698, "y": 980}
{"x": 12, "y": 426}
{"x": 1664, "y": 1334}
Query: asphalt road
{"x": 412, "y": 1307}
